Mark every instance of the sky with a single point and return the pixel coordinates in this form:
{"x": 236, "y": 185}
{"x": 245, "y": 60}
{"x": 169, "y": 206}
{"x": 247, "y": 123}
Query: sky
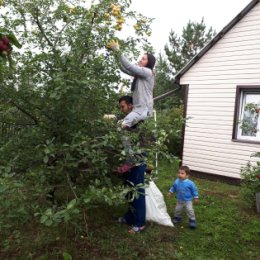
{"x": 175, "y": 14}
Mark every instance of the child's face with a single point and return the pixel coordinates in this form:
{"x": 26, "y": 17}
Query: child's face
{"x": 182, "y": 175}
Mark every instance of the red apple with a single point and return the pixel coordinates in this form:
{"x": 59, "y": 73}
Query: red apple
{"x": 3, "y": 46}
{"x": 5, "y": 40}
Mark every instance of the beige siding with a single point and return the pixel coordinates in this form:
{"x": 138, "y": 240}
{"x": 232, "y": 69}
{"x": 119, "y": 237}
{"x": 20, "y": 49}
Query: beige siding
{"x": 233, "y": 61}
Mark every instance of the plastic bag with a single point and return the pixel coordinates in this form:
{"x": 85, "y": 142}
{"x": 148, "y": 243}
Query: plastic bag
{"x": 156, "y": 209}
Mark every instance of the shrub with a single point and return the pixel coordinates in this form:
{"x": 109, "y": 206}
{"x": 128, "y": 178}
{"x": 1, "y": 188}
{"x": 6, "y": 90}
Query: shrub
{"x": 250, "y": 183}
{"x": 173, "y": 121}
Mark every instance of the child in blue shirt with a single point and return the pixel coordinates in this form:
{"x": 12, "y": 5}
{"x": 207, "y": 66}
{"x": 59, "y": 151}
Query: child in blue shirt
{"x": 185, "y": 191}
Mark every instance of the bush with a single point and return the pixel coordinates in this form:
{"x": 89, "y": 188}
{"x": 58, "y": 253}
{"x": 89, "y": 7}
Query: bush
{"x": 173, "y": 121}
{"x": 250, "y": 183}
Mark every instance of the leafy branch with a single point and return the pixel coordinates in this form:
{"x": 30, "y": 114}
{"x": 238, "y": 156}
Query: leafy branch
{"x": 42, "y": 30}
{"x": 35, "y": 120}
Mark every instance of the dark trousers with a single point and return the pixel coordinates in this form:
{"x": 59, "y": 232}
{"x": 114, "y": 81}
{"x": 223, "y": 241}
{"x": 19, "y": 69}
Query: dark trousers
{"x": 136, "y": 213}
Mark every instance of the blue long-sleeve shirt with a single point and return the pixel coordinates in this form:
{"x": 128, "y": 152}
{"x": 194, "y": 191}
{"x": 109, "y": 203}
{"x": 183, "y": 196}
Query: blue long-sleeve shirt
{"x": 185, "y": 190}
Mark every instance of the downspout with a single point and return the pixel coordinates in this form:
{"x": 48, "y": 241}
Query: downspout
{"x": 175, "y": 82}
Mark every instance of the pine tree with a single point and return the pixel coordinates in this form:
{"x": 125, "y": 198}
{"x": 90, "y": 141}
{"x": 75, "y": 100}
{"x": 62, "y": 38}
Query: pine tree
{"x": 179, "y": 51}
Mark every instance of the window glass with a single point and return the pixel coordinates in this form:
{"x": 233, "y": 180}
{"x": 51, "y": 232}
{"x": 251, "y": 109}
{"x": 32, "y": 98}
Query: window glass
{"x": 248, "y": 128}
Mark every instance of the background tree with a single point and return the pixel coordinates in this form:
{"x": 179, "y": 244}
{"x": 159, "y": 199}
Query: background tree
{"x": 182, "y": 49}
{"x": 178, "y": 52}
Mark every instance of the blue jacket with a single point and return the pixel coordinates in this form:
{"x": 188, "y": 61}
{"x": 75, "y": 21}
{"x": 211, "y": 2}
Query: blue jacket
{"x": 185, "y": 190}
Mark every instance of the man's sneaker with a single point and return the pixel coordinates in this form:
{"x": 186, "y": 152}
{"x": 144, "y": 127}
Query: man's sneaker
{"x": 135, "y": 230}
{"x": 176, "y": 220}
{"x": 192, "y": 223}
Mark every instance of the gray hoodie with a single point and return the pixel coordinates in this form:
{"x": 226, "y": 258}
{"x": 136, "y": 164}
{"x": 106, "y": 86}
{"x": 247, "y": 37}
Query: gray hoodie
{"x": 143, "y": 93}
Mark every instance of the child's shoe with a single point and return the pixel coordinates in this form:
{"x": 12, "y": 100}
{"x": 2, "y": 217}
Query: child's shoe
{"x": 176, "y": 220}
{"x": 192, "y": 223}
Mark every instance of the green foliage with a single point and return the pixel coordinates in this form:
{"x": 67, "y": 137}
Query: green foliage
{"x": 251, "y": 114}
{"x": 18, "y": 202}
{"x": 183, "y": 48}
{"x": 250, "y": 183}
{"x": 60, "y": 148}
{"x": 163, "y": 84}
{"x": 66, "y": 256}
{"x": 250, "y": 174}
{"x": 172, "y": 120}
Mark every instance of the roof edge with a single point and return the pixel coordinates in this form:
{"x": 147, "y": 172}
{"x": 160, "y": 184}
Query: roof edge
{"x": 212, "y": 42}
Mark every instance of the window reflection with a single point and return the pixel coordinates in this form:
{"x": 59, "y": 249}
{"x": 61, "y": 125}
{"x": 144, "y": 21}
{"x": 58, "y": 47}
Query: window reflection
{"x": 250, "y": 123}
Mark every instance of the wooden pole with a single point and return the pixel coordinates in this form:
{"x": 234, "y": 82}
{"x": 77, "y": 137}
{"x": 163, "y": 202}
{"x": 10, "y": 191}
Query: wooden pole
{"x": 257, "y": 196}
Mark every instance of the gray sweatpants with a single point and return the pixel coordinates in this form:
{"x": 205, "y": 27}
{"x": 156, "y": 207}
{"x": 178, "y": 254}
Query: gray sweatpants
{"x": 188, "y": 207}
{"x": 131, "y": 119}
{"x": 134, "y": 117}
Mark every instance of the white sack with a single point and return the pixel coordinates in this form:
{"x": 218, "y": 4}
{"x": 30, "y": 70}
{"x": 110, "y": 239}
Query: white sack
{"x": 156, "y": 210}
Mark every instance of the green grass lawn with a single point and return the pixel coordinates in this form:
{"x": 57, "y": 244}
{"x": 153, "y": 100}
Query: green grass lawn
{"x": 226, "y": 230}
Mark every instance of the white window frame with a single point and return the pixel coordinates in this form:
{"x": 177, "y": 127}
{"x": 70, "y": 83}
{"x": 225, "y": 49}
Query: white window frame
{"x": 248, "y": 96}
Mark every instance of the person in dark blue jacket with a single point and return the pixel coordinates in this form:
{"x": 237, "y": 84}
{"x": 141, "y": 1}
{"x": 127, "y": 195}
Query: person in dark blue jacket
{"x": 186, "y": 191}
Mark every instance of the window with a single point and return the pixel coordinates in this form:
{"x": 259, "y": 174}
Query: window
{"x": 247, "y": 114}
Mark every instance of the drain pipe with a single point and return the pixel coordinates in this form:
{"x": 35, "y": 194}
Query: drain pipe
{"x": 175, "y": 82}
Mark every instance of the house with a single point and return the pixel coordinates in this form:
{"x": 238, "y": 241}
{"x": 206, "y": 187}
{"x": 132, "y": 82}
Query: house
{"x": 219, "y": 82}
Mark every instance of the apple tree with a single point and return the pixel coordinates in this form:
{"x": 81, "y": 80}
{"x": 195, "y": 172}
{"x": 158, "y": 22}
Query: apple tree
{"x": 53, "y": 99}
